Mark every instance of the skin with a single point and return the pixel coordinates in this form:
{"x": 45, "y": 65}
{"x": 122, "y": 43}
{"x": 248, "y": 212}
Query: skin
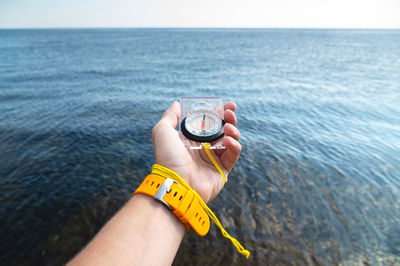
{"x": 144, "y": 232}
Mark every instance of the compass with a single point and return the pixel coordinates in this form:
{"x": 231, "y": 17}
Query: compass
{"x": 202, "y": 124}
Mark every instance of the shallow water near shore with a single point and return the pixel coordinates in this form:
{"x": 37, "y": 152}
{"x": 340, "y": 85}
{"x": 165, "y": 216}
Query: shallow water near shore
{"x": 318, "y": 181}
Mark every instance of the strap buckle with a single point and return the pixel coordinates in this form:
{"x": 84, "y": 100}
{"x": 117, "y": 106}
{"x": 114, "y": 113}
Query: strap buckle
{"x": 164, "y": 189}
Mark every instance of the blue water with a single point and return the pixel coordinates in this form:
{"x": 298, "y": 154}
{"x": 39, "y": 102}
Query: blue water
{"x": 318, "y": 181}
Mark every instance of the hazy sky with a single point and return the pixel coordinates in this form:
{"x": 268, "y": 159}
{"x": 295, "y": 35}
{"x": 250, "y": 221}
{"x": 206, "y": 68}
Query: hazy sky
{"x": 200, "y": 13}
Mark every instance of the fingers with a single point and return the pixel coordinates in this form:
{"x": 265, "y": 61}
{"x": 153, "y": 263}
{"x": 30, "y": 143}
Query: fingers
{"x": 171, "y": 115}
{"x": 231, "y": 131}
{"x": 229, "y": 115}
{"x": 231, "y": 154}
{"x": 230, "y": 125}
{"x": 230, "y": 106}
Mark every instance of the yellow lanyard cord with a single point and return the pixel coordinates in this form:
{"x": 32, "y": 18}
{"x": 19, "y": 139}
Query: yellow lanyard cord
{"x": 206, "y": 147}
{"x": 165, "y": 172}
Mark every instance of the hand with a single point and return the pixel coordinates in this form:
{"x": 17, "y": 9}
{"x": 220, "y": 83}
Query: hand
{"x": 135, "y": 235}
{"x": 194, "y": 166}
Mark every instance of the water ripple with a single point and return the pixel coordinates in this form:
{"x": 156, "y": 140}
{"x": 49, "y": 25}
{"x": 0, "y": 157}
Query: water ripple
{"x": 318, "y": 179}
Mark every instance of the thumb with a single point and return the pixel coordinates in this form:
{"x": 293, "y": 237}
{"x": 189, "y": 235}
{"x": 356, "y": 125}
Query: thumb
{"x": 171, "y": 115}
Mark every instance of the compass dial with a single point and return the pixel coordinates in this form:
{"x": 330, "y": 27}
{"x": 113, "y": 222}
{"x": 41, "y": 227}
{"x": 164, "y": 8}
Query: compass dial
{"x": 202, "y": 126}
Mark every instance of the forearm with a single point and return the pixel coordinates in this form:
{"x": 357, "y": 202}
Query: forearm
{"x": 142, "y": 232}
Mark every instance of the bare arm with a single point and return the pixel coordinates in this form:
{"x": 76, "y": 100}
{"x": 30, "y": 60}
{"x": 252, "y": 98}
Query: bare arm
{"x": 135, "y": 236}
{"x": 144, "y": 231}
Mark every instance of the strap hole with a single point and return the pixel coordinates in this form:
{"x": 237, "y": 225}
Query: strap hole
{"x": 180, "y": 197}
{"x": 199, "y": 219}
{"x": 196, "y": 214}
{"x": 203, "y": 223}
{"x": 158, "y": 185}
{"x": 147, "y": 182}
{"x": 152, "y": 183}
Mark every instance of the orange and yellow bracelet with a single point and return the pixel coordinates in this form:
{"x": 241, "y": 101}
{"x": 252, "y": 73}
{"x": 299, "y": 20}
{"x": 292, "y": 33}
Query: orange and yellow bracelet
{"x": 185, "y": 203}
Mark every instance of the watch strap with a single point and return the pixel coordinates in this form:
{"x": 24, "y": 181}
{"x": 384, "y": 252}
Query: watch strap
{"x": 181, "y": 201}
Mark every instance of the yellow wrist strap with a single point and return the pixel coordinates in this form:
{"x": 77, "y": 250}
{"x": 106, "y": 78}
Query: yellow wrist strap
{"x": 181, "y": 201}
{"x": 165, "y": 172}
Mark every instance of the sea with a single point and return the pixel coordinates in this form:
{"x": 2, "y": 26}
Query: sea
{"x": 318, "y": 179}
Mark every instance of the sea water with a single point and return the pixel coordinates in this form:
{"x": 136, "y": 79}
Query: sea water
{"x": 318, "y": 180}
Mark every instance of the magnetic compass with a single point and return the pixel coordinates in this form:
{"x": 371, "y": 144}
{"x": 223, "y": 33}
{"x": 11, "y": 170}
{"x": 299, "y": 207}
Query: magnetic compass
{"x": 202, "y": 124}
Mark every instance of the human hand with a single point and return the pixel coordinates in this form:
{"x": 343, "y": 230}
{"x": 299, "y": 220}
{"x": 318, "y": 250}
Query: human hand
{"x": 194, "y": 166}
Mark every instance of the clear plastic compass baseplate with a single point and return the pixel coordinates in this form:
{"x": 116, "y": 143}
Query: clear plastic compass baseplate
{"x": 202, "y": 116}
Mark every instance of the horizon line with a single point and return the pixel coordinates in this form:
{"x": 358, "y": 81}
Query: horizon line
{"x": 196, "y": 27}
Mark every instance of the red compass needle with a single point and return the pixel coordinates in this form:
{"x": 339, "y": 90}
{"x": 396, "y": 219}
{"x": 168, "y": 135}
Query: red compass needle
{"x": 203, "y": 123}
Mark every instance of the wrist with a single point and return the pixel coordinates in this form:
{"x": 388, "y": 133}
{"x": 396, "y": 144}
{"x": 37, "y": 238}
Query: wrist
{"x": 169, "y": 189}
{"x": 156, "y": 213}
{"x": 207, "y": 189}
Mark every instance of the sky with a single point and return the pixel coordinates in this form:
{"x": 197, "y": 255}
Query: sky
{"x": 200, "y": 13}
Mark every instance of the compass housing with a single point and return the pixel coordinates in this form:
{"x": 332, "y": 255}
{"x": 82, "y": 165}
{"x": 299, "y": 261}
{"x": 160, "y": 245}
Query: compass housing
{"x": 200, "y": 138}
{"x": 200, "y": 121}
